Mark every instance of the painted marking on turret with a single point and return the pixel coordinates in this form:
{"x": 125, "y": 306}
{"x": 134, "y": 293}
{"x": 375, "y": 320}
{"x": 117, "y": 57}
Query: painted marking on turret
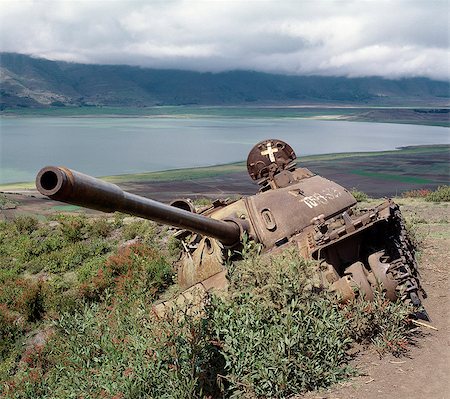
{"x": 270, "y": 151}
{"x": 323, "y": 197}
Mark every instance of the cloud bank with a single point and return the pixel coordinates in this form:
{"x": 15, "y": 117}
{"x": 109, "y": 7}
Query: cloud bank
{"x": 398, "y": 38}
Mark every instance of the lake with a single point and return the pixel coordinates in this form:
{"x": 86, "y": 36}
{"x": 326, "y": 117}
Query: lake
{"x": 103, "y": 146}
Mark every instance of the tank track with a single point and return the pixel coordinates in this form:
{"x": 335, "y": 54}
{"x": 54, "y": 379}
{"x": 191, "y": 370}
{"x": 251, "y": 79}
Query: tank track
{"x": 403, "y": 266}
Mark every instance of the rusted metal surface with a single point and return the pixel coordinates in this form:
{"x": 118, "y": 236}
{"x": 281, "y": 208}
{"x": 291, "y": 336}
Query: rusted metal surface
{"x": 269, "y": 157}
{"x": 194, "y": 297}
{"x": 383, "y": 275}
{"x": 279, "y": 214}
{"x": 207, "y": 260}
{"x": 360, "y": 250}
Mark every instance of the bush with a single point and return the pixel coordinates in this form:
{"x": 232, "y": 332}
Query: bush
{"x": 143, "y": 229}
{"x": 28, "y": 247}
{"x": 6, "y": 203}
{"x": 113, "y": 352}
{"x": 74, "y": 228}
{"x": 71, "y": 256}
{"x": 150, "y": 267}
{"x": 381, "y": 322}
{"x": 10, "y": 330}
{"x": 133, "y": 270}
{"x": 89, "y": 269}
{"x": 279, "y": 335}
{"x": 202, "y": 202}
{"x": 31, "y": 301}
{"x": 26, "y": 224}
{"x": 441, "y": 194}
{"x": 23, "y": 296}
{"x": 59, "y": 296}
{"x": 360, "y": 196}
{"x": 101, "y": 227}
{"x": 420, "y": 193}
{"x": 280, "y": 352}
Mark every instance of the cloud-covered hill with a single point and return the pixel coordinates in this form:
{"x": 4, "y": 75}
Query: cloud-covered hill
{"x": 35, "y": 82}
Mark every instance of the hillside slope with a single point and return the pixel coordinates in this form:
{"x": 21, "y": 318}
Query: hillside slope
{"x": 34, "y": 82}
{"x": 64, "y": 334}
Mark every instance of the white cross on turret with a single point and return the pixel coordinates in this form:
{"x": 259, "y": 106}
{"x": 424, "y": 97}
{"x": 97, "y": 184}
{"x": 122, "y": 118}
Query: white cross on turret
{"x": 270, "y": 151}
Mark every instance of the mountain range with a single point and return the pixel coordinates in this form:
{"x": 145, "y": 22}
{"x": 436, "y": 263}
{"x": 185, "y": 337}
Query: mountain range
{"x": 26, "y": 81}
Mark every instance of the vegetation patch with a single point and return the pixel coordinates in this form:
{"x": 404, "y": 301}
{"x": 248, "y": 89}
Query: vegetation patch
{"x": 419, "y": 193}
{"x": 277, "y": 332}
{"x": 66, "y": 208}
{"x": 6, "y": 203}
{"x": 393, "y": 177}
{"x": 179, "y": 174}
{"x": 56, "y": 267}
{"x": 441, "y": 194}
{"x": 360, "y": 196}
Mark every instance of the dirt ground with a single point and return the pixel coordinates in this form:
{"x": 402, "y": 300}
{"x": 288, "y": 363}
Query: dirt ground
{"x": 425, "y": 371}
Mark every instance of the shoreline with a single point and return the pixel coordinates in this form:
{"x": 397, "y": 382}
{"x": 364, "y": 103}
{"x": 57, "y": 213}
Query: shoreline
{"x": 354, "y": 161}
{"x": 424, "y": 115}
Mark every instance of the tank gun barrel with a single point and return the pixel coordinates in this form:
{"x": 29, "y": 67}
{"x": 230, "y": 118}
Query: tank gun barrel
{"x": 66, "y": 185}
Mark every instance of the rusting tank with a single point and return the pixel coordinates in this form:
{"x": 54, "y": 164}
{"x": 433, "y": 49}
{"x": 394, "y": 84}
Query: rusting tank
{"x": 359, "y": 249}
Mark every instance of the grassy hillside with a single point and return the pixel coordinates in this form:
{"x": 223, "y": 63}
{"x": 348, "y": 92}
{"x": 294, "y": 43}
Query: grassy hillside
{"x": 33, "y": 82}
{"x": 76, "y": 316}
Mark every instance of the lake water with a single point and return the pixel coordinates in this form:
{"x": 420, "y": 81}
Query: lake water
{"x": 103, "y": 146}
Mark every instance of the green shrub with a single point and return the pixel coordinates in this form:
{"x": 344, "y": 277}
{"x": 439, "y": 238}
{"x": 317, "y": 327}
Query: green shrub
{"x": 90, "y": 268}
{"x": 280, "y": 352}
{"x": 143, "y": 229}
{"x": 278, "y": 334}
{"x": 59, "y": 296}
{"x": 59, "y": 248}
{"x": 3, "y": 200}
{"x": 26, "y": 224}
{"x": 71, "y": 256}
{"x": 101, "y": 227}
{"x": 10, "y": 330}
{"x": 174, "y": 247}
{"x": 26, "y": 248}
{"x": 360, "y": 196}
{"x": 74, "y": 228}
{"x": 441, "y": 194}
{"x": 45, "y": 240}
{"x": 415, "y": 234}
{"x": 7, "y": 203}
{"x": 31, "y": 301}
{"x": 380, "y": 322}
{"x": 118, "y": 219}
{"x": 202, "y": 202}
{"x": 124, "y": 352}
{"x": 11, "y": 290}
{"x": 136, "y": 269}
{"x": 23, "y": 296}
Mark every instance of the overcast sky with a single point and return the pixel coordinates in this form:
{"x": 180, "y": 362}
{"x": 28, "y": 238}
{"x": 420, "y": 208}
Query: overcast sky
{"x": 397, "y": 38}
